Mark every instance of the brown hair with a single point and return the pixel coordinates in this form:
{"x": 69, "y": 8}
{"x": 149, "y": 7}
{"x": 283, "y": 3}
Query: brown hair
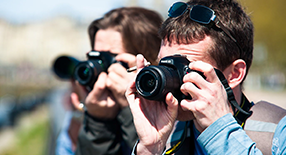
{"x": 183, "y": 30}
{"x": 137, "y": 26}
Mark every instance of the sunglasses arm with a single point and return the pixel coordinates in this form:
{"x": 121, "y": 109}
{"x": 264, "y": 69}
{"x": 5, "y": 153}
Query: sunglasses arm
{"x": 220, "y": 25}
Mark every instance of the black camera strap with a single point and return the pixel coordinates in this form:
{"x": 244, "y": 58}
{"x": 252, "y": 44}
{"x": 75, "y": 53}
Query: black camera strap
{"x": 245, "y": 105}
{"x": 242, "y": 112}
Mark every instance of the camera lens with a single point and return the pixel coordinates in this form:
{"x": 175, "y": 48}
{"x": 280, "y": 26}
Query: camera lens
{"x": 148, "y": 82}
{"x": 64, "y": 66}
{"x": 86, "y": 73}
{"x": 154, "y": 82}
{"x": 83, "y": 73}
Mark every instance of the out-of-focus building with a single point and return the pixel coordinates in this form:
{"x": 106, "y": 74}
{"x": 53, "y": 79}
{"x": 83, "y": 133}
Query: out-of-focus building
{"x": 38, "y": 43}
{"x": 28, "y": 50}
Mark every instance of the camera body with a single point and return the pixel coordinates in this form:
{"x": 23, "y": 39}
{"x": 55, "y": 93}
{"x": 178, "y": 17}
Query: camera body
{"x": 85, "y": 72}
{"x": 154, "y": 82}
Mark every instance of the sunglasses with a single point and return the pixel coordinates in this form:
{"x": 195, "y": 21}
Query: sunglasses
{"x": 200, "y": 14}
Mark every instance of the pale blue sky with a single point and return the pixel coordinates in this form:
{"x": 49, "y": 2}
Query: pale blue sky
{"x": 29, "y": 10}
{"x": 21, "y": 11}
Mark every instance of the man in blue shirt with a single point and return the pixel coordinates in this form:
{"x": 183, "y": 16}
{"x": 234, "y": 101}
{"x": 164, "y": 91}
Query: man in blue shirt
{"x": 210, "y": 34}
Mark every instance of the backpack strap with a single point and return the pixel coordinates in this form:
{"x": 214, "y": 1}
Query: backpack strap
{"x": 260, "y": 127}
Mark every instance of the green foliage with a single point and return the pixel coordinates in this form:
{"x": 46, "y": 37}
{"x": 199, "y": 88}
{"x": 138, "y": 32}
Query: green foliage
{"x": 32, "y": 140}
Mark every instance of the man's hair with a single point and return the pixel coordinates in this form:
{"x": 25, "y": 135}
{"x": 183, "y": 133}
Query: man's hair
{"x": 137, "y": 26}
{"x": 183, "y": 30}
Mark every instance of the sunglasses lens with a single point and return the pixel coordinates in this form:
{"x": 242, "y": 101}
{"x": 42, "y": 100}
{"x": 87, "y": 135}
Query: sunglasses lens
{"x": 201, "y": 14}
{"x": 177, "y": 9}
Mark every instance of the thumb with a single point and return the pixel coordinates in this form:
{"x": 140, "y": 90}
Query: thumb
{"x": 141, "y": 61}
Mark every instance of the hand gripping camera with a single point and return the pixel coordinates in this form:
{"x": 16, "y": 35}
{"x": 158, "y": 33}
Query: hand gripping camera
{"x": 85, "y": 72}
{"x": 154, "y": 82}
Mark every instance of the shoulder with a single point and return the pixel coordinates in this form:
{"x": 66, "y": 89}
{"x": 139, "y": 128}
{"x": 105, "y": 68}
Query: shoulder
{"x": 281, "y": 127}
{"x": 279, "y": 139}
{"x": 266, "y": 126}
{"x": 267, "y": 112}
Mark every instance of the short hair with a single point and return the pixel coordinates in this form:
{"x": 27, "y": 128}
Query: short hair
{"x": 137, "y": 26}
{"x": 183, "y": 30}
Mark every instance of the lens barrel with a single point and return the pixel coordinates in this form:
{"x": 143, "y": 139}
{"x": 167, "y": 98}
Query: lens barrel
{"x": 154, "y": 82}
{"x": 64, "y": 66}
{"x": 86, "y": 73}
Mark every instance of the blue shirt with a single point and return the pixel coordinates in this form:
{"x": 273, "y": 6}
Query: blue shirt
{"x": 225, "y": 136}
{"x": 199, "y": 150}
{"x": 64, "y": 143}
{"x": 279, "y": 138}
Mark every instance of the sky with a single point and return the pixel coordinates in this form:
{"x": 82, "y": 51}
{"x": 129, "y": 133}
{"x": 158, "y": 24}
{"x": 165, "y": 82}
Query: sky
{"x": 19, "y": 11}
{"x": 22, "y": 11}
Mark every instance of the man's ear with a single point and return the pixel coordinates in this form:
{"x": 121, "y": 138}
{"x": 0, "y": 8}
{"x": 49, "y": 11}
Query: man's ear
{"x": 235, "y": 73}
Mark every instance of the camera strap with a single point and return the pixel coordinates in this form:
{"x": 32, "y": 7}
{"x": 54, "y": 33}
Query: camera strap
{"x": 179, "y": 144}
{"x": 242, "y": 112}
{"x": 245, "y": 105}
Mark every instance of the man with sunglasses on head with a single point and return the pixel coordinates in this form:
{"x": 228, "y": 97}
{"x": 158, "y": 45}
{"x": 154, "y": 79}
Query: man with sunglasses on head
{"x": 216, "y": 36}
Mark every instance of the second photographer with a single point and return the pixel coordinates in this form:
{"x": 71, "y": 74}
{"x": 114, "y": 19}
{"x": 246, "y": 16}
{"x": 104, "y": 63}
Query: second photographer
{"x": 108, "y": 125}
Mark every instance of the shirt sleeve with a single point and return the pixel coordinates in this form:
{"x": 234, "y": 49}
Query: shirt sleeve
{"x": 279, "y": 138}
{"x": 128, "y": 131}
{"x": 98, "y": 137}
{"x": 225, "y": 136}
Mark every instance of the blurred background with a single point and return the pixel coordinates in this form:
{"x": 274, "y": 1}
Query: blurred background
{"x": 34, "y": 32}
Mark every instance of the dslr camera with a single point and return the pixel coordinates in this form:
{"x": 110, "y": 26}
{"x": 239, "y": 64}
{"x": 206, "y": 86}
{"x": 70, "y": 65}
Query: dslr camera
{"x": 85, "y": 72}
{"x": 154, "y": 82}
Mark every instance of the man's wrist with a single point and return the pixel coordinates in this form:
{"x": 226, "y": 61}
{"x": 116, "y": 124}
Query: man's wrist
{"x": 141, "y": 149}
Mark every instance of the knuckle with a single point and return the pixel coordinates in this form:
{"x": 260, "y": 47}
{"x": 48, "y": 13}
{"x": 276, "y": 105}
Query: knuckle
{"x": 209, "y": 69}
